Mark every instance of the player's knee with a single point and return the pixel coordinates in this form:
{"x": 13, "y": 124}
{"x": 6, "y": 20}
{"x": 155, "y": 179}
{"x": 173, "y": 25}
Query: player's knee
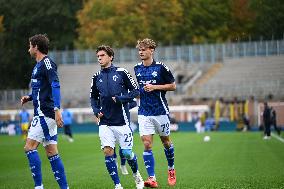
{"x": 30, "y": 146}
{"x": 147, "y": 145}
{"x": 166, "y": 141}
{"x": 50, "y": 153}
{"x": 127, "y": 153}
{"x": 167, "y": 144}
{"x": 108, "y": 151}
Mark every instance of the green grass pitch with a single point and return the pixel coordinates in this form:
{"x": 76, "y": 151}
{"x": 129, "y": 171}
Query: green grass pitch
{"x": 229, "y": 160}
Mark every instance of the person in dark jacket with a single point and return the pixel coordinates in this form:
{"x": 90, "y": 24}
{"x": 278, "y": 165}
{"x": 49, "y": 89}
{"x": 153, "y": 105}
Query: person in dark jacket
{"x": 111, "y": 91}
{"x": 266, "y": 121}
{"x": 274, "y": 120}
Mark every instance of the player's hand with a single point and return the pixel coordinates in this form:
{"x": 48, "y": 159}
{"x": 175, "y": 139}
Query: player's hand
{"x": 149, "y": 87}
{"x": 24, "y": 99}
{"x": 97, "y": 119}
{"x": 58, "y": 118}
{"x": 114, "y": 99}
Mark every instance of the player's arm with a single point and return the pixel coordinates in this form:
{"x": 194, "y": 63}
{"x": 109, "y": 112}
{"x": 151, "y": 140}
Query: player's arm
{"x": 51, "y": 72}
{"x": 167, "y": 78}
{"x": 164, "y": 87}
{"x": 132, "y": 103}
{"x": 131, "y": 86}
{"x": 95, "y": 98}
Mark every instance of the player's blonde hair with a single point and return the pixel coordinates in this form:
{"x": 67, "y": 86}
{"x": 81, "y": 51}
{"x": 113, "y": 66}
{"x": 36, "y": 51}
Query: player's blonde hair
{"x": 146, "y": 43}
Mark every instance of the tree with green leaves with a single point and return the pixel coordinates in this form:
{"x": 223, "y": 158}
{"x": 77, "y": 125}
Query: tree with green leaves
{"x": 204, "y": 21}
{"x": 121, "y": 23}
{"x": 269, "y": 16}
{"x": 22, "y": 19}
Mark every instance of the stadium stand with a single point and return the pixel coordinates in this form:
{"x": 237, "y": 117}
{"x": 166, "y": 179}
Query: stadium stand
{"x": 245, "y": 77}
{"x": 75, "y": 83}
{"x": 75, "y": 79}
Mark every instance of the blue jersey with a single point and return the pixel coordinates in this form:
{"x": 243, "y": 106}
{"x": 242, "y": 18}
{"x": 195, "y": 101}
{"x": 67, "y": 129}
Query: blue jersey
{"x": 153, "y": 103}
{"x": 67, "y": 117}
{"x": 113, "y": 82}
{"x": 24, "y": 116}
{"x": 45, "y": 88}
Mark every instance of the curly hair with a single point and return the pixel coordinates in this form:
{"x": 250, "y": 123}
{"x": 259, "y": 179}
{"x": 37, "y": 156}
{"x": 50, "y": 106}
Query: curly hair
{"x": 146, "y": 43}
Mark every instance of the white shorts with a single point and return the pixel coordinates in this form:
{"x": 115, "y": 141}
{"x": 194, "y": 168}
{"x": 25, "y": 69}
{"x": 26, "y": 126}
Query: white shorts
{"x": 110, "y": 135}
{"x": 149, "y": 125}
{"x": 44, "y": 130}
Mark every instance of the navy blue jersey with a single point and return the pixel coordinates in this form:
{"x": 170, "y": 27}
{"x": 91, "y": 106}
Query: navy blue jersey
{"x": 113, "y": 82}
{"x": 43, "y": 82}
{"x": 153, "y": 103}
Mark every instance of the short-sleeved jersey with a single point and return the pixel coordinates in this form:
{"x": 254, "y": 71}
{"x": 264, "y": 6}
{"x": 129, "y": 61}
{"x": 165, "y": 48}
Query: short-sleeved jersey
{"x": 153, "y": 103}
{"x": 43, "y": 75}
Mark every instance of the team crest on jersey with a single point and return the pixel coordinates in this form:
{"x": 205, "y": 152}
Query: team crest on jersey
{"x": 35, "y": 70}
{"x": 154, "y": 74}
{"x": 100, "y": 80}
{"x": 114, "y": 77}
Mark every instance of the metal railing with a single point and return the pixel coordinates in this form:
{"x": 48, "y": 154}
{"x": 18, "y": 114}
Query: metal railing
{"x": 204, "y": 53}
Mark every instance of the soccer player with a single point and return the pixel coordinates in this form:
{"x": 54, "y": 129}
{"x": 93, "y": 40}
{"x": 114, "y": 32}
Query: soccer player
{"x": 67, "y": 117}
{"x": 46, "y": 100}
{"x": 154, "y": 79}
{"x": 111, "y": 90}
{"x": 25, "y": 121}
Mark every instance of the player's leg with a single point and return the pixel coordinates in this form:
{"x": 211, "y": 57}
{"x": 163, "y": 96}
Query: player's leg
{"x": 147, "y": 130}
{"x": 34, "y": 138}
{"x": 123, "y": 167}
{"x": 164, "y": 132}
{"x": 56, "y": 165}
{"x": 115, "y": 156}
{"x": 125, "y": 138}
{"x": 169, "y": 152}
{"x": 68, "y": 132}
{"x": 108, "y": 144}
{"x": 49, "y": 128}
{"x": 34, "y": 161}
{"x": 267, "y": 131}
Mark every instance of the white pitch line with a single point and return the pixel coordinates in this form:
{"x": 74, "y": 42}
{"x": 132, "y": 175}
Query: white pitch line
{"x": 277, "y": 137}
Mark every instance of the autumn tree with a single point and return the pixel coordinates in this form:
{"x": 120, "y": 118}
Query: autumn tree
{"x": 121, "y": 23}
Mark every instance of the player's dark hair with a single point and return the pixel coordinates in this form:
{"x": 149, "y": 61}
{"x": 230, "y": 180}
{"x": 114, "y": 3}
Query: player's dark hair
{"x": 41, "y": 41}
{"x": 107, "y": 49}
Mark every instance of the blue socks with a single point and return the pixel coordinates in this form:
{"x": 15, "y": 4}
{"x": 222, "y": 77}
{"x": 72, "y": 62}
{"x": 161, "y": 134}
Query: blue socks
{"x": 169, "y": 152}
{"x": 35, "y": 166}
{"x": 133, "y": 163}
{"x": 149, "y": 162}
{"x": 58, "y": 171}
{"x": 112, "y": 168}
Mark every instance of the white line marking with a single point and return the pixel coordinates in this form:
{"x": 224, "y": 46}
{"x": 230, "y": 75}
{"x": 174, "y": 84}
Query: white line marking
{"x": 277, "y": 137}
